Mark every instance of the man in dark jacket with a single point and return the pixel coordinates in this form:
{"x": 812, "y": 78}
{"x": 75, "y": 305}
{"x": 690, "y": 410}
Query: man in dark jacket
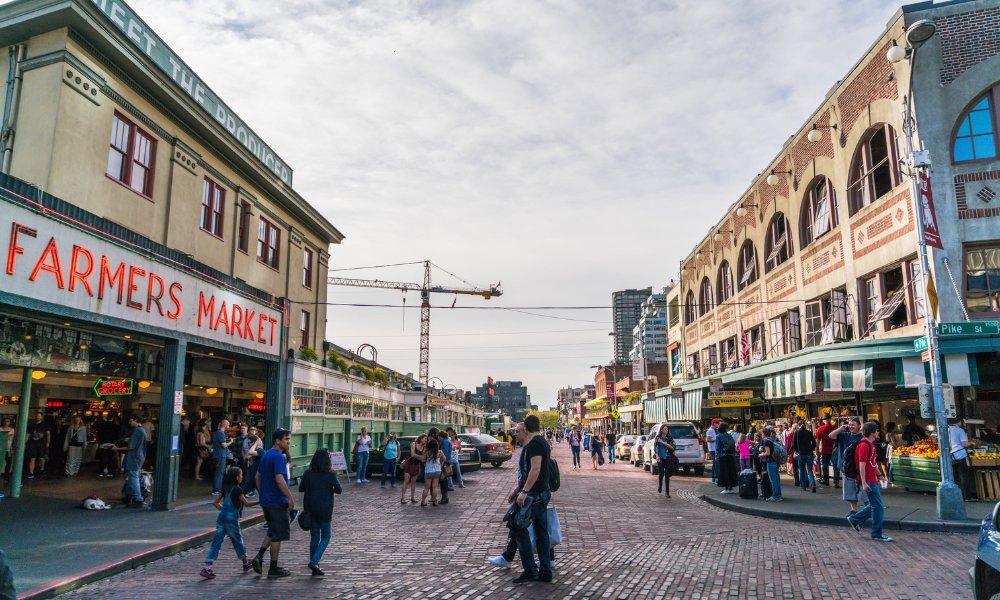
{"x": 805, "y": 450}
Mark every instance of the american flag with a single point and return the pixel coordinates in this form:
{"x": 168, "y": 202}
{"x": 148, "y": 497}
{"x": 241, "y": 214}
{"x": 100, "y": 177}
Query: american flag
{"x": 744, "y": 358}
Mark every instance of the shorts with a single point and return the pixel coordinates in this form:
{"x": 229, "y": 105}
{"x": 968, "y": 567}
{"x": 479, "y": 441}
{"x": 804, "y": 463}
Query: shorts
{"x": 434, "y": 475}
{"x": 853, "y": 492}
{"x": 35, "y": 450}
{"x": 278, "y": 523}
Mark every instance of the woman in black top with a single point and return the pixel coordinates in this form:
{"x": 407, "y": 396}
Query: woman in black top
{"x": 319, "y": 484}
{"x": 725, "y": 451}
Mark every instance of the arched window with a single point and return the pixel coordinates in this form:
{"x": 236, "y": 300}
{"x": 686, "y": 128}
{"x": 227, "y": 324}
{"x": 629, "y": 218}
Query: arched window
{"x": 975, "y": 137}
{"x": 778, "y": 243}
{"x": 724, "y": 282}
{"x": 746, "y": 266}
{"x": 819, "y": 212}
{"x": 706, "y": 299}
{"x": 875, "y": 171}
{"x": 690, "y": 308}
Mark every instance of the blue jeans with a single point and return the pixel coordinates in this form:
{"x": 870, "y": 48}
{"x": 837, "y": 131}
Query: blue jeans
{"x": 220, "y": 470}
{"x": 362, "y": 465}
{"x": 611, "y": 453}
{"x": 874, "y": 511}
{"x": 806, "y": 475}
{"x": 222, "y": 530}
{"x": 540, "y": 523}
{"x": 715, "y": 466}
{"x": 319, "y": 539}
{"x": 133, "y": 485}
{"x": 773, "y": 469}
{"x": 389, "y": 470}
{"x": 576, "y": 456}
{"x": 829, "y": 460}
{"x": 458, "y": 473}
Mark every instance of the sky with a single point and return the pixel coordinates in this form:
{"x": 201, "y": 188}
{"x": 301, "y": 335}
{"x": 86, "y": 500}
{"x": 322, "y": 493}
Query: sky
{"x": 564, "y": 148}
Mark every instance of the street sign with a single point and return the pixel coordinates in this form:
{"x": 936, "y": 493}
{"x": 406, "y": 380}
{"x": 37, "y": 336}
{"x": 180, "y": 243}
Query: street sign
{"x": 970, "y": 328}
{"x": 731, "y": 395}
{"x": 178, "y": 402}
{"x": 714, "y": 385}
{"x": 113, "y": 387}
{"x": 920, "y": 344}
{"x": 338, "y": 461}
{"x": 932, "y": 296}
{"x": 677, "y": 393}
{"x": 615, "y": 414}
{"x": 925, "y": 356}
{"x": 927, "y": 400}
{"x": 728, "y": 402}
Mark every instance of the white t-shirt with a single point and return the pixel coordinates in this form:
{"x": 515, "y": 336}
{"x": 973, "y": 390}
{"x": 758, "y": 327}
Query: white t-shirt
{"x": 710, "y": 435}
{"x": 364, "y": 443}
{"x": 957, "y": 435}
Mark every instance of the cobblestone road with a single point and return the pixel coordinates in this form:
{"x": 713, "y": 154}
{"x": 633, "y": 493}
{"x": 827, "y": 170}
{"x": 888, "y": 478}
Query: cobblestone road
{"x": 621, "y": 541}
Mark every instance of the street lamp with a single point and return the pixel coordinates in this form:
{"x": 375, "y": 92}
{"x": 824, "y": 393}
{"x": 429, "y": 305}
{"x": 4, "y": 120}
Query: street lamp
{"x": 950, "y": 504}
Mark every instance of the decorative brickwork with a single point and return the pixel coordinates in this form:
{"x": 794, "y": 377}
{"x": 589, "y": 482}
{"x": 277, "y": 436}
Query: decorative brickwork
{"x": 708, "y": 325}
{"x": 871, "y": 83}
{"x": 878, "y": 224}
{"x": 691, "y": 333}
{"x": 749, "y": 221}
{"x": 751, "y": 310}
{"x": 727, "y": 316}
{"x": 804, "y": 151}
{"x": 768, "y": 193}
{"x": 967, "y": 39}
{"x": 984, "y": 193}
{"x": 781, "y": 281}
{"x": 822, "y": 258}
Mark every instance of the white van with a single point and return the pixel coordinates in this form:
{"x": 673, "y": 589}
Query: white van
{"x": 690, "y": 447}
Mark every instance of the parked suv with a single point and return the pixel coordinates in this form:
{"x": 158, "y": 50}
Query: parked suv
{"x": 689, "y": 444}
{"x": 985, "y": 574}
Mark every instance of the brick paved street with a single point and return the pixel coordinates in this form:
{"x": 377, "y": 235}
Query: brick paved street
{"x": 621, "y": 541}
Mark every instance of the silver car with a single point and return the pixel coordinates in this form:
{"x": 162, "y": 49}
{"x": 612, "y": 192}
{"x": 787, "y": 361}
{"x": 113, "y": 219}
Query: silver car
{"x": 635, "y": 455}
{"x": 690, "y": 452}
{"x": 623, "y": 449}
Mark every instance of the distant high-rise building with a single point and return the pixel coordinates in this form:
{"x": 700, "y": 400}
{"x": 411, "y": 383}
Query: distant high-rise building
{"x": 511, "y": 396}
{"x": 626, "y": 306}
{"x": 649, "y": 336}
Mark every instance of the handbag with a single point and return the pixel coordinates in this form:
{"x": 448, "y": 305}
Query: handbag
{"x": 675, "y": 464}
{"x": 555, "y": 528}
{"x": 304, "y": 520}
{"x": 447, "y": 470}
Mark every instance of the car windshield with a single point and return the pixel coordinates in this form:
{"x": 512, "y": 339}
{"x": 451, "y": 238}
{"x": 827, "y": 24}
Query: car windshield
{"x": 627, "y": 438}
{"x": 682, "y": 431}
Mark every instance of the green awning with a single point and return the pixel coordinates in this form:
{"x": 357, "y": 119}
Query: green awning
{"x": 956, "y": 369}
{"x": 789, "y": 384}
{"x": 849, "y": 376}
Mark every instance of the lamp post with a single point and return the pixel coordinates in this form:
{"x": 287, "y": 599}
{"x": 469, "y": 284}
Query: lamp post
{"x": 950, "y": 504}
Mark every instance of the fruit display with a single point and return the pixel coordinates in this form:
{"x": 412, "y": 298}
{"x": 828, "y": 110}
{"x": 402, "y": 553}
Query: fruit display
{"x": 923, "y": 449}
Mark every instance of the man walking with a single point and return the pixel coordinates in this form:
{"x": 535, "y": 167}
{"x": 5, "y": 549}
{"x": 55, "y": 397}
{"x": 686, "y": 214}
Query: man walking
{"x": 710, "y": 436}
{"x": 611, "y": 438}
{"x": 134, "y": 458}
{"x": 276, "y": 501}
{"x": 846, "y": 436}
{"x": 536, "y": 495}
{"x": 220, "y": 451}
{"x": 805, "y": 448}
{"x": 868, "y": 480}
{"x": 826, "y": 446}
{"x": 39, "y": 437}
{"x": 575, "y": 440}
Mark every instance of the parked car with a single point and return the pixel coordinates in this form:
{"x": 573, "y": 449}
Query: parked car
{"x": 985, "y": 574}
{"x": 468, "y": 459}
{"x": 689, "y": 444}
{"x": 491, "y": 450}
{"x": 635, "y": 456}
{"x": 623, "y": 449}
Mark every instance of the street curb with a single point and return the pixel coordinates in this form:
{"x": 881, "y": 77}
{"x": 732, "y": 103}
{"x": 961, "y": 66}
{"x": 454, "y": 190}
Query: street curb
{"x": 132, "y": 561}
{"x": 904, "y": 525}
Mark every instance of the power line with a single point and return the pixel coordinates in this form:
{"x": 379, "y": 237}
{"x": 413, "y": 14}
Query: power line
{"x": 481, "y": 333}
{"x": 378, "y": 266}
{"x": 505, "y": 346}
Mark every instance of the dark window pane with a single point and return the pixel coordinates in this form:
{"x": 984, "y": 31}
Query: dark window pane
{"x": 882, "y": 180}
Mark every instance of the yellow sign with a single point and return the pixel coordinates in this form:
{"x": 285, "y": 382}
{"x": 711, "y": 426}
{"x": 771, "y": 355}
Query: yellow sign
{"x": 932, "y": 296}
{"x": 730, "y": 402}
{"x": 731, "y": 394}
{"x": 615, "y": 414}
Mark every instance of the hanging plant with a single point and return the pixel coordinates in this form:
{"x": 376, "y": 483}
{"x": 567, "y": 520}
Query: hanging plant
{"x": 338, "y": 363}
{"x": 308, "y": 353}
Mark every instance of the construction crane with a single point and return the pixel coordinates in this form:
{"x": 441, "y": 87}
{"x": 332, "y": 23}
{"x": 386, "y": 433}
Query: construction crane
{"x": 425, "y": 305}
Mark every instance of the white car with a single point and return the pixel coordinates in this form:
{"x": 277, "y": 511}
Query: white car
{"x": 635, "y": 455}
{"x": 623, "y": 449}
{"x": 690, "y": 447}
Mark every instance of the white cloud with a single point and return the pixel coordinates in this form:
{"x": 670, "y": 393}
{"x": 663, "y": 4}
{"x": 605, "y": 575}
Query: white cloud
{"x": 567, "y": 148}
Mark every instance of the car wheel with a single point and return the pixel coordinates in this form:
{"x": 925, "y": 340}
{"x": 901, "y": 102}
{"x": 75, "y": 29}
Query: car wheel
{"x": 496, "y": 464}
{"x": 699, "y": 470}
{"x": 654, "y": 469}
{"x": 687, "y": 470}
{"x": 646, "y": 467}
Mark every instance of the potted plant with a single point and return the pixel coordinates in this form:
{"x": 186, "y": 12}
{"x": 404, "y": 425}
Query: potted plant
{"x": 308, "y": 354}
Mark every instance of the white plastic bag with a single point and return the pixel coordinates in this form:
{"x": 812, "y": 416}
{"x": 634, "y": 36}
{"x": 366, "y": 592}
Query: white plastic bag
{"x": 555, "y": 528}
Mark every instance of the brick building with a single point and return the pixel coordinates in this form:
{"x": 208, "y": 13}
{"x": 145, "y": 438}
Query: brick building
{"x": 816, "y": 263}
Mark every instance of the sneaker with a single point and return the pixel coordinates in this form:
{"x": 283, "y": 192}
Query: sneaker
{"x": 526, "y": 577}
{"x": 258, "y": 565}
{"x": 443, "y": 501}
{"x": 779, "y": 499}
{"x": 768, "y": 499}
{"x": 382, "y": 486}
{"x": 855, "y": 526}
{"x": 31, "y": 476}
{"x": 850, "y": 513}
{"x": 366, "y": 480}
{"x": 216, "y": 493}
{"x": 545, "y": 578}
{"x": 882, "y": 538}
{"x": 499, "y": 561}
{"x": 278, "y": 572}
{"x": 552, "y": 565}
{"x": 247, "y": 565}
{"x": 252, "y": 494}
{"x": 316, "y": 571}
{"x": 207, "y": 573}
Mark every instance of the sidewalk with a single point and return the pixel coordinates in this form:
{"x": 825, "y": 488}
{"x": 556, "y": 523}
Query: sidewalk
{"x": 912, "y": 511}
{"x": 54, "y": 546}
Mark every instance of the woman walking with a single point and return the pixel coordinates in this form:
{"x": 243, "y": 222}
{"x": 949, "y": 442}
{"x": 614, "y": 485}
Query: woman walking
{"x": 725, "y": 452}
{"x": 230, "y": 504}
{"x": 412, "y": 468}
{"x": 433, "y": 462}
{"x": 319, "y": 484}
{"x": 73, "y": 445}
{"x": 597, "y": 449}
{"x": 202, "y": 442}
{"x": 664, "y": 446}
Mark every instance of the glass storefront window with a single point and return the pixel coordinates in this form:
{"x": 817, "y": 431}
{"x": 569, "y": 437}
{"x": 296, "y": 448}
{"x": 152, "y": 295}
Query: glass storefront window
{"x": 982, "y": 279}
{"x": 307, "y": 400}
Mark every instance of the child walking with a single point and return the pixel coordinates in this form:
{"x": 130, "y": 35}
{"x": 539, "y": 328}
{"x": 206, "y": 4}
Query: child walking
{"x": 230, "y": 503}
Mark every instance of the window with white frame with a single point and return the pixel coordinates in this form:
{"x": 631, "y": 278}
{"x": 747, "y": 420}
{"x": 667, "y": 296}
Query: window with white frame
{"x": 819, "y": 212}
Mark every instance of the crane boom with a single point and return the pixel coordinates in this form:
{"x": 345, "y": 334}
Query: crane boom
{"x": 425, "y": 304}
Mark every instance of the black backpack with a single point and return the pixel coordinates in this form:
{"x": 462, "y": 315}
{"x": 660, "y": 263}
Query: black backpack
{"x": 553, "y": 475}
{"x": 850, "y": 466}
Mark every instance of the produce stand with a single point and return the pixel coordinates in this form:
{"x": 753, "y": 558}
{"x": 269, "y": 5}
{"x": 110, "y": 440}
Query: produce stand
{"x": 916, "y": 473}
{"x": 917, "y": 468}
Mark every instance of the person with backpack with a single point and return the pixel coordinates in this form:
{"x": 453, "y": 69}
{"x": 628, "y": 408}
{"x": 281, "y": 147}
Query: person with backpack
{"x": 664, "y": 446}
{"x": 535, "y": 495}
{"x": 773, "y": 455}
{"x": 230, "y": 504}
{"x": 868, "y": 479}
{"x": 847, "y": 437}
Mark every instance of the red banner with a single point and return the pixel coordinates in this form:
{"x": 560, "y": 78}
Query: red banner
{"x": 932, "y": 235}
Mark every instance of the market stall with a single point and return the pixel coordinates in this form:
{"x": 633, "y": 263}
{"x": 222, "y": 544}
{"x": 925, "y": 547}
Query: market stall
{"x": 918, "y": 468}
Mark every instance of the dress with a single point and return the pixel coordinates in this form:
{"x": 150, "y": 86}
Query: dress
{"x": 726, "y": 453}
{"x": 412, "y": 466}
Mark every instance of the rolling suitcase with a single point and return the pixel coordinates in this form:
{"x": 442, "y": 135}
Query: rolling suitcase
{"x": 765, "y": 486}
{"x": 748, "y": 485}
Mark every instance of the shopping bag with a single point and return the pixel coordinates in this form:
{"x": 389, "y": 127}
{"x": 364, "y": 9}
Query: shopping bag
{"x": 555, "y": 528}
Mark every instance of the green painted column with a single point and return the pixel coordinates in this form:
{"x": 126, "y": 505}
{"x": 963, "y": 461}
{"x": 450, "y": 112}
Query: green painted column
{"x": 22, "y": 432}
{"x": 275, "y": 414}
{"x": 168, "y": 459}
